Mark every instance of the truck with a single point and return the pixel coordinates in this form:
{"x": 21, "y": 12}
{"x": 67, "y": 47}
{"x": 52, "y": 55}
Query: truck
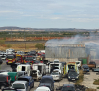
{"x": 91, "y": 64}
{"x": 71, "y": 66}
{"x": 25, "y": 67}
{"x": 55, "y": 65}
{"x": 36, "y": 75}
{"x": 11, "y": 58}
{"x": 10, "y": 51}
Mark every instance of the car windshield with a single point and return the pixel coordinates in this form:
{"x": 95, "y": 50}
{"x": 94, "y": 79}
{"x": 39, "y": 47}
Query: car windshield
{"x": 85, "y": 66}
{"x": 68, "y": 88}
{"x": 29, "y": 58}
{"x": 10, "y": 56}
{"x": 77, "y": 62}
{"x": 72, "y": 73}
{"x": 18, "y": 86}
{"x": 54, "y": 73}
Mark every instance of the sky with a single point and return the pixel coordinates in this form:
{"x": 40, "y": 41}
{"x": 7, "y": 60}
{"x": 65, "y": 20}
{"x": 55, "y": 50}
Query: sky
{"x": 82, "y": 14}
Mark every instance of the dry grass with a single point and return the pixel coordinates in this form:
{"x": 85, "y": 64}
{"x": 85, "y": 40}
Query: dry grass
{"x": 19, "y": 47}
{"x": 81, "y": 77}
{"x": 96, "y": 82}
{"x": 90, "y": 89}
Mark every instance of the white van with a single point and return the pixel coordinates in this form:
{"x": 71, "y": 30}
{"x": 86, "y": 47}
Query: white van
{"x": 42, "y": 88}
{"x": 56, "y": 66}
{"x": 24, "y": 67}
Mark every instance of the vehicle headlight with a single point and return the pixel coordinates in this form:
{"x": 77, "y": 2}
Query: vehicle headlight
{"x": 77, "y": 77}
{"x": 69, "y": 77}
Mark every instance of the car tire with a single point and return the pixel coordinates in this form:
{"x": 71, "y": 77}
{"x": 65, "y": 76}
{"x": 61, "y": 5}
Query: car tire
{"x": 2, "y": 87}
{"x": 33, "y": 85}
{"x": 6, "y": 63}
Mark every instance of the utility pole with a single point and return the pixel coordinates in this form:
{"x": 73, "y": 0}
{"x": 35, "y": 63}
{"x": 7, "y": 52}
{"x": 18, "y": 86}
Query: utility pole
{"x": 24, "y": 38}
{"x": 11, "y": 34}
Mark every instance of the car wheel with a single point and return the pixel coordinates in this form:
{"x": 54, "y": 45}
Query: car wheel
{"x": 33, "y": 85}
{"x": 6, "y": 63}
{"x": 2, "y": 87}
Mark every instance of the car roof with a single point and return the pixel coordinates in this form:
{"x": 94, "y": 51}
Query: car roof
{"x": 3, "y": 75}
{"x": 69, "y": 85}
{"x": 28, "y": 77}
{"x": 45, "y": 84}
{"x": 43, "y": 87}
{"x": 19, "y": 82}
{"x": 47, "y": 76}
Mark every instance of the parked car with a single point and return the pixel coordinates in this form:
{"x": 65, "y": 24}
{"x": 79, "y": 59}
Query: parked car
{"x": 67, "y": 87}
{"x": 1, "y": 61}
{"x": 4, "y": 71}
{"x": 22, "y": 73}
{"x": 29, "y": 79}
{"x": 5, "y": 81}
{"x": 42, "y": 88}
{"x": 72, "y": 75}
{"x": 85, "y": 68}
{"x": 48, "y": 81}
{"x": 95, "y": 69}
{"x": 9, "y": 89}
{"x": 13, "y": 75}
{"x": 32, "y": 53}
{"x": 56, "y": 74}
{"x": 21, "y": 85}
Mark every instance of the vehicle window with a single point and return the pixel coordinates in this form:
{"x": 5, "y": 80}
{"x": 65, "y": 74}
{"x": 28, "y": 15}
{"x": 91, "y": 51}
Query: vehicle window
{"x": 2, "y": 78}
{"x": 18, "y": 86}
{"x": 68, "y": 88}
{"x": 72, "y": 73}
{"x": 9, "y": 90}
{"x": 77, "y": 62}
{"x": 39, "y": 73}
{"x": 10, "y": 56}
{"x": 23, "y": 68}
{"x": 8, "y": 77}
{"x": 29, "y": 58}
{"x": 26, "y": 85}
{"x": 31, "y": 79}
{"x": 55, "y": 73}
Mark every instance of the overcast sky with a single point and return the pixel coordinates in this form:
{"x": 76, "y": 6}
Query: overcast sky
{"x": 50, "y": 13}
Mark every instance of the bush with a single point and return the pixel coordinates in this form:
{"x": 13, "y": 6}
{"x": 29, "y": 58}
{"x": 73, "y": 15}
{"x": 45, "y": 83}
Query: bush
{"x": 81, "y": 77}
{"x": 96, "y": 82}
{"x": 97, "y": 87}
{"x": 2, "y": 42}
{"x": 90, "y": 89}
{"x": 9, "y": 45}
{"x": 39, "y": 46}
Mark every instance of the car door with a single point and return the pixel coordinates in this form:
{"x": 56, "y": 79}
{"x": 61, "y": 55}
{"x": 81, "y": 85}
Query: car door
{"x": 30, "y": 81}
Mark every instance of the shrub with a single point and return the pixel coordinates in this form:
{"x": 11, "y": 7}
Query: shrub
{"x": 90, "y": 89}
{"x": 81, "y": 77}
{"x": 96, "y": 82}
{"x": 9, "y": 45}
{"x": 97, "y": 87}
{"x": 39, "y": 46}
{"x": 2, "y": 42}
